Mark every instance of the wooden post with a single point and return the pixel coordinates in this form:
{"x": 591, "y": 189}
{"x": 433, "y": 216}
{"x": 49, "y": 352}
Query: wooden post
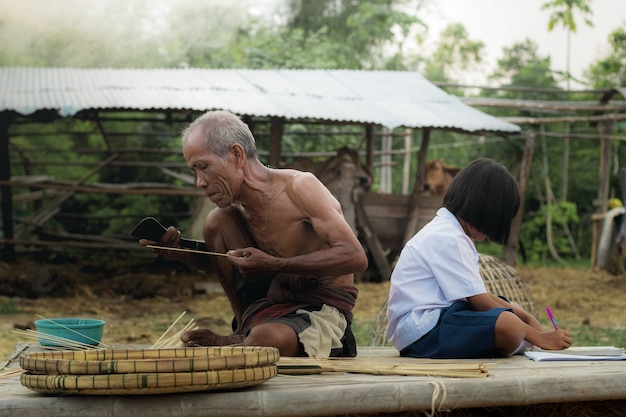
{"x": 369, "y": 140}
{"x": 605, "y": 129}
{"x": 345, "y": 193}
{"x": 510, "y": 250}
{"x": 277, "y": 127}
{"x": 406, "y": 168}
{"x": 372, "y": 241}
{"x": 8, "y": 251}
{"x": 413, "y": 210}
{"x": 385, "y": 159}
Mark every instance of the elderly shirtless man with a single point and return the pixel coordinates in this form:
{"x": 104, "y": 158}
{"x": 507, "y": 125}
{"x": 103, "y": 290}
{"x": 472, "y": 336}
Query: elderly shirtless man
{"x": 291, "y": 255}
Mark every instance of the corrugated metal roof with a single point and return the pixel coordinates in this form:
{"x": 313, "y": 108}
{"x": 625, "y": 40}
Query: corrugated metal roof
{"x": 387, "y": 98}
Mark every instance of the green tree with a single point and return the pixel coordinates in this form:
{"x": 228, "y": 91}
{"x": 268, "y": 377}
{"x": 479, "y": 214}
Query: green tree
{"x": 522, "y": 66}
{"x": 455, "y": 52}
{"x": 563, "y": 14}
{"x": 610, "y": 71}
{"x": 366, "y": 34}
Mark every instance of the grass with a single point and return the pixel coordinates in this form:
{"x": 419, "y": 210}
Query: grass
{"x": 592, "y": 336}
{"x": 362, "y": 332}
{"x": 8, "y": 306}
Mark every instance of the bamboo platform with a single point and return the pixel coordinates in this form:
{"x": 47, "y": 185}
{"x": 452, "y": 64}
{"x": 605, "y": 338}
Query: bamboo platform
{"x": 509, "y": 382}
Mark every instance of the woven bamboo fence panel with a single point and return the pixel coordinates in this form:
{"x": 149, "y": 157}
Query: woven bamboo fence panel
{"x": 499, "y": 278}
{"x": 148, "y": 371}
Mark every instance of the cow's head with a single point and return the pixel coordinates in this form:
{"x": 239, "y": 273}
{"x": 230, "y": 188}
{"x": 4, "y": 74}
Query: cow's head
{"x": 346, "y": 157}
{"x": 438, "y": 176}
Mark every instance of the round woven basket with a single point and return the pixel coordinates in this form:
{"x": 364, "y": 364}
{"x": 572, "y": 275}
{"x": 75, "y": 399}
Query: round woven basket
{"x": 148, "y": 371}
{"x": 499, "y": 278}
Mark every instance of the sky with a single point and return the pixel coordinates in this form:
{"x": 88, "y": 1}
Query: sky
{"x": 502, "y": 23}
{"x": 497, "y": 23}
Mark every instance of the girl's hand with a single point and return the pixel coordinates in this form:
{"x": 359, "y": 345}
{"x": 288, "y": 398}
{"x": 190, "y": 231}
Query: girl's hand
{"x": 558, "y": 339}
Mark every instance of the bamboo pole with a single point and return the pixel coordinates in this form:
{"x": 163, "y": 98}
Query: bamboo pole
{"x": 52, "y": 208}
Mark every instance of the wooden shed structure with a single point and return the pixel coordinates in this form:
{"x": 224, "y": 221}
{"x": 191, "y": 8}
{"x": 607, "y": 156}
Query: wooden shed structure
{"x": 277, "y": 98}
{"x": 604, "y": 112}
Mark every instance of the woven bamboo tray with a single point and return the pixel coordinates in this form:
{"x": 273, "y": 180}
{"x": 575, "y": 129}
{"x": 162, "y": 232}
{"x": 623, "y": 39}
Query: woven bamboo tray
{"x": 128, "y": 361}
{"x": 147, "y": 371}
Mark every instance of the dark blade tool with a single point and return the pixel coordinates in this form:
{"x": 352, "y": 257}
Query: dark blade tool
{"x": 150, "y": 228}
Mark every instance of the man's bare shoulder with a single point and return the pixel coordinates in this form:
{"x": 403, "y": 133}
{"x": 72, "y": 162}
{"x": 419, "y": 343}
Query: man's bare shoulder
{"x": 307, "y": 192}
{"x": 297, "y": 182}
{"x": 293, "y": 174}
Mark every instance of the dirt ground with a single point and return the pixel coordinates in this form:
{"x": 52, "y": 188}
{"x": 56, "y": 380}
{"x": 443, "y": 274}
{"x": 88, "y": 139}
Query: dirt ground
{"x": 140, "y": 300}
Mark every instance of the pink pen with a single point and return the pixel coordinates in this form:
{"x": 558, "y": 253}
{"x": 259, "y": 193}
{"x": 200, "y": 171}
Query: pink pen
{"x": 551, "y": 316}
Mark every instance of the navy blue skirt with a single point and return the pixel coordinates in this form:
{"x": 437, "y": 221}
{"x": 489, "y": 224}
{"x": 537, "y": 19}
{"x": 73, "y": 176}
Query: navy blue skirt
{"x": 460, "y": 333}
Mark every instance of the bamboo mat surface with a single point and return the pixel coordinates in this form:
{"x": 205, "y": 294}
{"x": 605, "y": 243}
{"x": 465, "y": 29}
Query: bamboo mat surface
{"x": 511, "y": 381}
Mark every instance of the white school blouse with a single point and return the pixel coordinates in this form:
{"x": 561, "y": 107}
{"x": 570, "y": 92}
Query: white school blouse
{"x": 437, "y": 266}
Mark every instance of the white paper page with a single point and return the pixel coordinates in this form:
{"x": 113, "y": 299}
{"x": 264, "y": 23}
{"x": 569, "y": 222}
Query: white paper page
{"x": 555, "y": 356}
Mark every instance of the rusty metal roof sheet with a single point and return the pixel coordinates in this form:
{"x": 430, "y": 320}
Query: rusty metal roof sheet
{"x": 387, "y": 98}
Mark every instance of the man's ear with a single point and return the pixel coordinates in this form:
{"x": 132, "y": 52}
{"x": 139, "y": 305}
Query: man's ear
{"x": 238, "y": 153}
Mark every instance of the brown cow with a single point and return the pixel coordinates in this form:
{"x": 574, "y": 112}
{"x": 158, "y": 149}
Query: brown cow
{"x": 329, "y": 171}
{"x": 438, "y": 176}
{"x": 342, "y": 174}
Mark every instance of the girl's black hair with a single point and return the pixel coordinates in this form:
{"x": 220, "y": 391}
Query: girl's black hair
{"x": 486, "y": 196}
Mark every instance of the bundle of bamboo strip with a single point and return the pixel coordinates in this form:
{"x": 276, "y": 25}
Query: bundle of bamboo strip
{"x": 455, "y": 369}
{"x": 166, "y": 340}
{"x": 60, "y": 343}
{"x": 8, "y": 373}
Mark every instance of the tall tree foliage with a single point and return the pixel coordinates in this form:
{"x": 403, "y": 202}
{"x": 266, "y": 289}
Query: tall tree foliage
{"x": 563, "y": 13}
{"x": 610, "y": 71}
{"x": 121, "y": 34}
{"x": 367, "y": 34}
{"x": 455, "y": 53}
{"x": 522, "y": 66}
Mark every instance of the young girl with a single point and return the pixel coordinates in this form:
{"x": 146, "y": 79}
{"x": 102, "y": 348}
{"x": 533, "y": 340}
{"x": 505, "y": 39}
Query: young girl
{"x": 438, "y": 304}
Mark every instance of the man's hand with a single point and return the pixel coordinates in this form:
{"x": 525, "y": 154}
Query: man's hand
{"x": 171, "y": 238}
{"x": 253, "y": 262}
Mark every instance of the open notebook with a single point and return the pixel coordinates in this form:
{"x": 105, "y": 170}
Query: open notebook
{"x": 577, "y": 353}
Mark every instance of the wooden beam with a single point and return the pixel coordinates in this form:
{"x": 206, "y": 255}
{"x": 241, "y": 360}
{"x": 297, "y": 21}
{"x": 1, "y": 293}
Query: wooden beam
{"x": 6, "y": 196}
{"x": 538, "y": 105}
{"x": 102, "y": 188}
{"x": 565, "y": 119}
{"x": 52, "y": 207}
{"x": 543, "y": 90}
{"x": 277, "y": 128}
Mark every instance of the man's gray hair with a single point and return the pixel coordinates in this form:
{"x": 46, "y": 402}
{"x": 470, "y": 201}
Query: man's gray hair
{"x": 221, "y": 129}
